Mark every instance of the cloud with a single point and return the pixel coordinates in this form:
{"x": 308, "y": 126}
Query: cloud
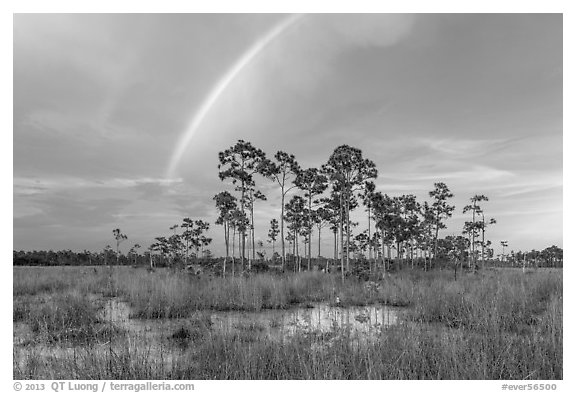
{"x": 306, "y": 55}
{"x": 26, "y": 185}
{"x": 75, "y": 201}
{"x": 296, "y": 65}
{"x": 465, "y": 148}
{"x": 473, "y": 174}
{"x": 532, "y": 183}
{"x": 99, "y": 101}
{"x": 62, "y": 210}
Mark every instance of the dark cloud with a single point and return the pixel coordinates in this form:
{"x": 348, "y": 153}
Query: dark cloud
{"x": 64, "y": 210}
{"x": 101, "y": 101}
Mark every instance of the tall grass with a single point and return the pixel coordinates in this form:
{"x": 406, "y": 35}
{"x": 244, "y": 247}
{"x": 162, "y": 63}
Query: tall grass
{"x": 31, "y": 281}
{"x": 175, "y": 296}
{"x": 412, "y": 351}
{"x": 492, "y": 325}
{"x": 403, "y": 352}
{"x": 487, "y": 303}
{"x": 69, "y": 317}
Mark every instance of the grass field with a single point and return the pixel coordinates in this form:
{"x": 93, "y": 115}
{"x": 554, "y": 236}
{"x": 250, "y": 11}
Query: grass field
{"x": 493, "y": 325}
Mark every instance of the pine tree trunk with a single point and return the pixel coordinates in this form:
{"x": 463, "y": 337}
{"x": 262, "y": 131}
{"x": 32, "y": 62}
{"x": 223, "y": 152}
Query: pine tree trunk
{"x": 309, "y": 230}
{"x": 297, "y": 251}
{"x": 398, "y": 255}
{"x": 335, "y": 246}
{"x": 347, "y": 233}
{"x": 483, "y": 230}
{"x": 243, "y": 239}
{"x": 389, "y": 249}
{"x": 319, "y": 233}
{"x": 241, "y": 249}
{"x": 252, "y": 230}
{"x": 341, "y": 236}
{"x": 436, "y": 243}
{"x": 369, "y": 244}
{"x": 282, "y": 229}
{"x": 233, "y": 248}
{"x": 383, "y": 256}
{"x": 473, "y": 237}
{"x": 226, "y": 240}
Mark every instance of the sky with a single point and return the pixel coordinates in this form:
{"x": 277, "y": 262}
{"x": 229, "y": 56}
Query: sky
{"x": 119, "y": 118}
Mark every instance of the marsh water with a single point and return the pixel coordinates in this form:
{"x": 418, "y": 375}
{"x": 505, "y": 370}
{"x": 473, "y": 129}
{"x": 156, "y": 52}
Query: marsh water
{"x": 274, "y": 324}
{"x": 166, "y": 340}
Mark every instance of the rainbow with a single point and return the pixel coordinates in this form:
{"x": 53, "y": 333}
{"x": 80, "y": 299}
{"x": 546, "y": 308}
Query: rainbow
{"x": 221, "y": 86}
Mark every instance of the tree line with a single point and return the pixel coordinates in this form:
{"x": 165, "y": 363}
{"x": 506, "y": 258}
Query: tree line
{"x": 401, "y": 229}
{"x": 549, "y": 257}
{"x": 399, "y": 226}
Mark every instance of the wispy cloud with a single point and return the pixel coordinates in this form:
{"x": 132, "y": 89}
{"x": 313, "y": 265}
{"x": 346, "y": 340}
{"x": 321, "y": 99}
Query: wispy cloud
{"x": 100, "y": 101}
{"x": 475, "y": 173}
{"x": 465, "y": 148}
{"x": 298, "y": 65}
{"x": 26, "y": 185}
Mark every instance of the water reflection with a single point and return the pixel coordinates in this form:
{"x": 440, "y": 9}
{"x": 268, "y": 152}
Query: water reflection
{"x": 166, "y": 341}
{"x": 323, "y": 318}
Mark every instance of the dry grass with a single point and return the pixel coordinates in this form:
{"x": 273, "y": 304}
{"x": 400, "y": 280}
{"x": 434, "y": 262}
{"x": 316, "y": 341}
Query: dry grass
{"x": 492, "y": 325}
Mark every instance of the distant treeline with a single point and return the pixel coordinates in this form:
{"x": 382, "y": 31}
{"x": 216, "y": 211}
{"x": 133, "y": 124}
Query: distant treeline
{"x": 402, "y": 231}
{"x": 68, "y": 257}
{"x": 549, "y": 257}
